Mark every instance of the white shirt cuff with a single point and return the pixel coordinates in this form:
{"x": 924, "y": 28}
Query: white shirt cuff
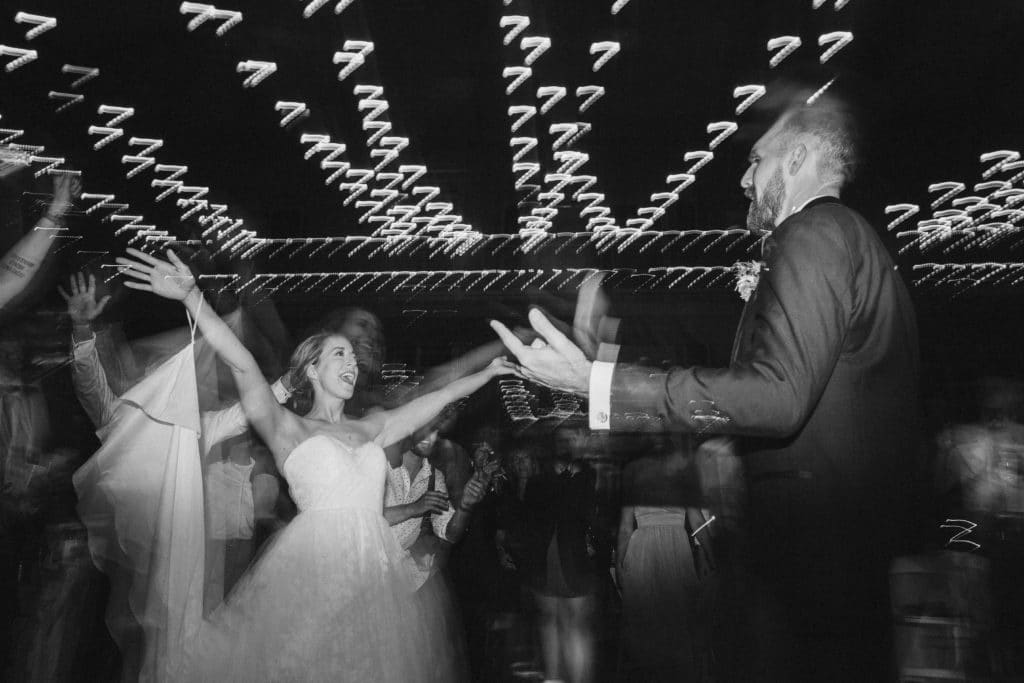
{"x": 601, "y": 394}
{"x": 608, "y": 353}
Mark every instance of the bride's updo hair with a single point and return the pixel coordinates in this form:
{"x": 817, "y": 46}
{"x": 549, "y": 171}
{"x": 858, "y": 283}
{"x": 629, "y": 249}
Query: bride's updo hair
{"x": 305, "y": 354}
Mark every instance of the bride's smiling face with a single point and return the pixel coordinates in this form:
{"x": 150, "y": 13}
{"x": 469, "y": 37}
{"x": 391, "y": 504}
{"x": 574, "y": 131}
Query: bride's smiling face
{"x": 335, "y": 371}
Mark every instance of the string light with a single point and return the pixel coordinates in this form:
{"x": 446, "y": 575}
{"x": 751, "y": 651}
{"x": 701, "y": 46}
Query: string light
{"x": 819, "y": 92}
{"x": 260, "y": 71}
{"x": 1002, "y": 157}
{"x": 751, "y": 93}
{"x": 204, "y": 13}
{"x": 22, "y": 56}
{"x": 85, "y": 74}
{"x": 69, "y": 99}
{"x": 537, "y": 45}
{"x": 552, "y": 94}
{"x": 518, "y": 24}
{"x": 40, "y": 24}
{"x": 783, "y": 46}
{"x": 837, "y": 39}
{"x": 294, "y": 109}
{"x": 606, "y": 49}
{"x": 592, "y": 93}
{"x": 907, "y": 211}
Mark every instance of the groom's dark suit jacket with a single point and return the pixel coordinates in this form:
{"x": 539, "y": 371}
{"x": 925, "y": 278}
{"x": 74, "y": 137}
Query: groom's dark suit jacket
{"x": 822, "y": 386}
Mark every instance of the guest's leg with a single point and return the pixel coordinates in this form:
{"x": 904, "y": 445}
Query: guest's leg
{"x": 576, "y": 629}
{"x": 547, "y": 626}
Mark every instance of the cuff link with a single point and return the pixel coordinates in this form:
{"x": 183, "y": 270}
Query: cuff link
{"x": 707, "y": 416}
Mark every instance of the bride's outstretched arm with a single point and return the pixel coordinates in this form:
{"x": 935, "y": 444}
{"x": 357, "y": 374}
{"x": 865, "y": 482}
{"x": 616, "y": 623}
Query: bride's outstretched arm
{"x": 396, "y": 424}
{"x": 276, "y": 425}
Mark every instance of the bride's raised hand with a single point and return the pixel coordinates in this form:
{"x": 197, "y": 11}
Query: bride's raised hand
{"x": 170, "y": 279}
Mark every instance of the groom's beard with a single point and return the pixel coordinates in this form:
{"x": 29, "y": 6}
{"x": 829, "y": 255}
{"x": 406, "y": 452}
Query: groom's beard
{"x": 765, "y": 209}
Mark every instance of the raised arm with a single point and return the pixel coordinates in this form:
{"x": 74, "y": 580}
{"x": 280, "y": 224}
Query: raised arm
{"x": 21, "y": 263}
{"x": 278, "y": 427}
{"x": 87, "y": 373}
{"x": 398, "y": 423}
{"x": 227, "y": 422}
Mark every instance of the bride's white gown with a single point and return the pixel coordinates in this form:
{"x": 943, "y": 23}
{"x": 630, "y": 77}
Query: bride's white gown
{"x": 329, "y": 599}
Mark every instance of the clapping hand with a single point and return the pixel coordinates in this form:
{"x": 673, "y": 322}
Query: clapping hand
{"x": 82, "y": 305}
{"x": 171, "y": 280}
{"x": 551, "y": 359}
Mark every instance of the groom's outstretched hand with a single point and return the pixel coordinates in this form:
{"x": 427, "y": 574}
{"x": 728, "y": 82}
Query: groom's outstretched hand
{"x": 551, "y": 359}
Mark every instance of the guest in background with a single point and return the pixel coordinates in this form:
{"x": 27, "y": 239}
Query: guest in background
{"x": 416, "y": 494}
{"x": 561, "y": 571}
{"x": 666, "y": 564}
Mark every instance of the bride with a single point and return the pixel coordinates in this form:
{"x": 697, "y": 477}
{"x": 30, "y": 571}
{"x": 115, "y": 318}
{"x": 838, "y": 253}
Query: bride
{"x": 328, "y": 599}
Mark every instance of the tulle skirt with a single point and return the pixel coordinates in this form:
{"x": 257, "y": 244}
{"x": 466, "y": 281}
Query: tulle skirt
{"x": 328, "y": 600}
{"x": 665, "y": 603}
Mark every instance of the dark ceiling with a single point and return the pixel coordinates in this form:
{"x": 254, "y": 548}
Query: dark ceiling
{"x": 936, "y": 84}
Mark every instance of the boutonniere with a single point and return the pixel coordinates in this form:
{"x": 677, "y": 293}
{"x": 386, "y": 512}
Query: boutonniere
{"x": 748, "y": 273}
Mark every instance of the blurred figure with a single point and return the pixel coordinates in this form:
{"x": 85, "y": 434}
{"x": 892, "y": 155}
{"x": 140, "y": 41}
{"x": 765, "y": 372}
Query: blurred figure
{"x": 513, "y": 543}
{"x": 667, "y": 567}
{"x": 242, "y": 491}
{"x": 25, "y": 439}
{"x": 416, "y": 500}
{"x": 21, "y": 262}
{"x": 561, "y": 511}
{"x": 103, "y": 408}
{"x": 980, "y": 481}
{"x": 473, "y": 566}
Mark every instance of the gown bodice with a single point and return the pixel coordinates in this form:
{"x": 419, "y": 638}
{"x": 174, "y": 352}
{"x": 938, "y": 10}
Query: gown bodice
{"x": 324, "y": 473}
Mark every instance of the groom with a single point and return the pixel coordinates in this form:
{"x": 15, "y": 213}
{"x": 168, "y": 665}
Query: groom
{"x": 822, "y": 386}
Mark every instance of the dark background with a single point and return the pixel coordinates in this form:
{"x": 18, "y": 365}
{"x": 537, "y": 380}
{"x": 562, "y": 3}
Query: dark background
{"x": 936, "y": 84}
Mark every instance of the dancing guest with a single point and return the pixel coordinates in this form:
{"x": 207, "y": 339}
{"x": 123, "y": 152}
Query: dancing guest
{"x": 822, "y": 384}
{"x": 417, "y": 489}
{"x": 416, "y": 497}
{"x": 22, "y": 261}
{"x": 330, "y": 598}
{"x": 91, "y": 385}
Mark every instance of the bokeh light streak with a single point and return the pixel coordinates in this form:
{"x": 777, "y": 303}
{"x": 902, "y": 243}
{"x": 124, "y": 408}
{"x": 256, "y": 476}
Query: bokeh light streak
{"x": 518, "y": 24}
{"x": 40, "y": 23}
{"x": 70, "y": 99}
{"x": 838, "y": 40}
{"x": 259, "y": 70}
{"x": 783, "y": 46}
{"x": 85, "y": 74}
{"x": 22, "y": 56}
{"x": 606, "y": 49}
{"x": 537, "y": 45}
{"x": 592, "y": 93}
